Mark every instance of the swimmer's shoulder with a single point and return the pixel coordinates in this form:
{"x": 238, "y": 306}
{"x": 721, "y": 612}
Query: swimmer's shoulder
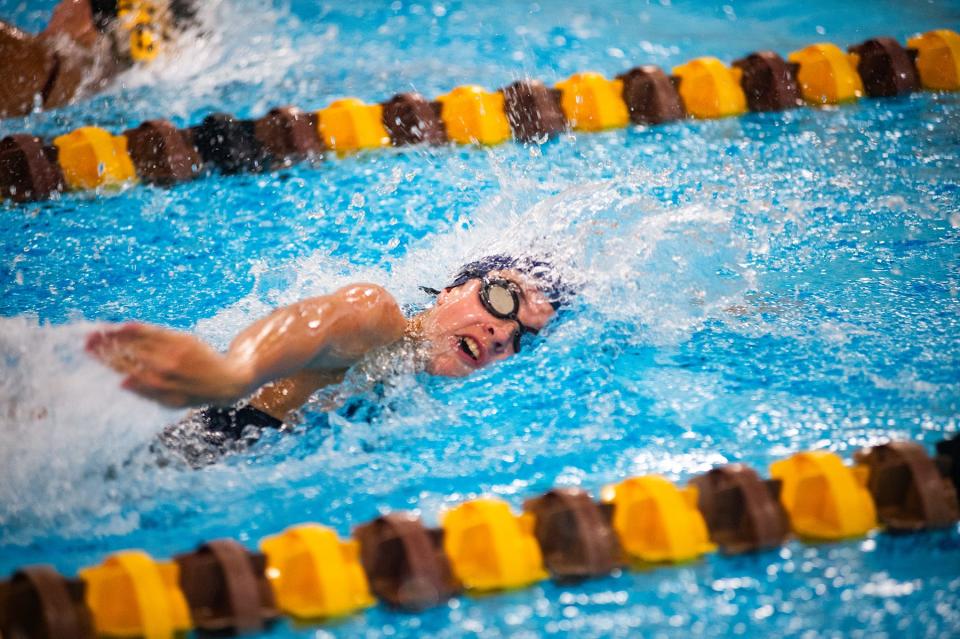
{"x": 366, "y": 294}
{"x": 354, "y": 320}
{"x": 374, "y": 307}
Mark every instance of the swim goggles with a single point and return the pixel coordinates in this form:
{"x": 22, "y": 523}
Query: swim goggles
{"x": 500, "y": 298}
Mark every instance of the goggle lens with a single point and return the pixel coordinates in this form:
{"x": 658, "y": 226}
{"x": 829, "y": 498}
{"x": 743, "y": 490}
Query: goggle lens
{"x": 502, "y": 300}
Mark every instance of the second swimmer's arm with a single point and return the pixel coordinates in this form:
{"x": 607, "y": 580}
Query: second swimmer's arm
{"x": 324, "y": 333}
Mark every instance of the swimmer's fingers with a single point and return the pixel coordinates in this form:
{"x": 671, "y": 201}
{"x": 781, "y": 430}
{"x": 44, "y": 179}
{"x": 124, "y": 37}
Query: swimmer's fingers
{"x": 129, "y": 333}
{"x": 113, "y": 352}
{"x": 104, "y": 344}
{"x": 133, "y": 346}
{"x": 137, "y": 337}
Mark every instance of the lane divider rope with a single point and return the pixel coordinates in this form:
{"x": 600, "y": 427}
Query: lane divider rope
{"x": 307, "y": 572}
{"x": 528, "y": 111}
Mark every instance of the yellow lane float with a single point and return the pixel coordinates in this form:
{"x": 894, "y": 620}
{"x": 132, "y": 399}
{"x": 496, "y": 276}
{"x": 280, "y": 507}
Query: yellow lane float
{"x": 656, "y": 521}
{"x": 938, "y": 59}
{"x": 131, "y": 595}
{"x": 490, "y": 548}
{"x": 91, "y": 157}
{"x": 826, "y": 74}
{"x": 591, "y": 102}
{"x": 473, "y": 115}
{"x": 350, "y": 125}
{"x": 315, "y": 574}
{"x": 824, "y": 498}
{"x": 710, "y": 89}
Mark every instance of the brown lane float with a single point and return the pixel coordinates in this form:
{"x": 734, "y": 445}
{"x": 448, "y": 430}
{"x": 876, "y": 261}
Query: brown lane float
{"x": 651, "y": 96}
{"x": 907, "y": 487}
{"x": 288, "y": 135}
{"x": 161, "y": 154}
{"x": 575, "y": 538}
{"x": 405, "y": 562}
{"x": 226, "y": 588}
{"x": 533, "y": 110}
{"x": 38, "y": 603}
{"x": 409, "y": 118}
{"x": 768, "y": 81}
{"x": 743, "y": 512}
{"x": 885, "y": 67}
{"x": 28, "y": 169}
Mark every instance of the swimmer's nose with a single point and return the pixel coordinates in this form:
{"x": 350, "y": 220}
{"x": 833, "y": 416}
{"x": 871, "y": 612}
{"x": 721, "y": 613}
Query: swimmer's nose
{"x": 501, "y": 336}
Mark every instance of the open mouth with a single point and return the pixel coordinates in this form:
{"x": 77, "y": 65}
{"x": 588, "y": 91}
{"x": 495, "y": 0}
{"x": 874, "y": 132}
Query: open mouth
{"x": 469, "y": 346}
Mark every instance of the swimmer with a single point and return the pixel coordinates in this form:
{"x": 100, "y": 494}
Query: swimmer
{"x": 85, "y": 44}
{"x": 274, "y": 366}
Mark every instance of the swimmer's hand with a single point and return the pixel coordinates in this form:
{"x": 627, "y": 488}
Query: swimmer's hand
{"x": 321, "y": 335}
{"x": 172, "y": 368}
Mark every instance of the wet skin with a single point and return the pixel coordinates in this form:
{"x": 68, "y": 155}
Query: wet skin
{"x": 285, "y": 357}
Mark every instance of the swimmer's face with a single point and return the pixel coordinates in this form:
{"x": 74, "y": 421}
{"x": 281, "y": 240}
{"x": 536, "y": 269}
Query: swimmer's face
{"x": 464, "y": 336}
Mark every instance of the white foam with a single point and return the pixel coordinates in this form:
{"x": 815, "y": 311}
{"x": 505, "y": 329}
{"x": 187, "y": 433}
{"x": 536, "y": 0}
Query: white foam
{"x": 64, "y": 423}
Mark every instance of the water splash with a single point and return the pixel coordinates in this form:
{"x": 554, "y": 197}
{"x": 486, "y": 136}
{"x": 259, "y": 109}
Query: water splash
{"x": 64, "y": 424}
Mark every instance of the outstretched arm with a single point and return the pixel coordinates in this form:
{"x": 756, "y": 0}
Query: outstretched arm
{"x": 326, "y": 333}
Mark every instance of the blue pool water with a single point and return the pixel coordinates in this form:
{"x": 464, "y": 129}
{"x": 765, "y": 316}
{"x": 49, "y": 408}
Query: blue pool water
{"x": 751, "y": 287}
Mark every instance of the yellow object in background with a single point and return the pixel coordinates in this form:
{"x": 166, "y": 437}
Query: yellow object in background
{"x": 131, "y": 595}
{"x": 710, "y": 89}
{"x": 314, "y": 574}
{"x": 91, "y": 157}
{"x": 472, "y": 115}
{"x": 824, "y": 498}
{"x": 590, "y": 102}
{"x": 490, "y": 548}
{"x": 140, "y": 19}
{"x": 938, "y": 59}
{"x": 350, "y": 125}
{"x": 827, "y": 75}
{"x": 656, "y": 521}
{"x": 144, "y": 43}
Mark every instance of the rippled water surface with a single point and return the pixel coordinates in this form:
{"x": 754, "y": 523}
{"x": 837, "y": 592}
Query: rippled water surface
{"x": 750, "y": 287}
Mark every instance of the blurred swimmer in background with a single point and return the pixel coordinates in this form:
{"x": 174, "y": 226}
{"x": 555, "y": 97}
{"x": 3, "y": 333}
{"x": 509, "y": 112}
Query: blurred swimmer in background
{"x": 274, "y": 366}
{"x": 85, "y": 45}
